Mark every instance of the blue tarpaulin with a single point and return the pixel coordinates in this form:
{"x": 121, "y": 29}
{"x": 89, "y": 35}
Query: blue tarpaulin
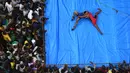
{"x": 85, "y": 43}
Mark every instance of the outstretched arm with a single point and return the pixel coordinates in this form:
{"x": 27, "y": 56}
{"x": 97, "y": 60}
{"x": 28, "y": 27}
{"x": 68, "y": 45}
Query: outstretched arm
{"x": 84, "y": 16}
{"x": 75, "y": 23}
{"x": 94, "y": 65}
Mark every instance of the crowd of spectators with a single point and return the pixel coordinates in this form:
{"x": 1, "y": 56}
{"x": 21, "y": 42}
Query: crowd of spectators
{"x": 93, "y": 68}
{"x": 21, "y": 35}
{"x": 90, "y": 68}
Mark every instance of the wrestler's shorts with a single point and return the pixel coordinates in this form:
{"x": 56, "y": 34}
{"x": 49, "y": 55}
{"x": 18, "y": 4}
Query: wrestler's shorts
{"x": 94, "y": 20}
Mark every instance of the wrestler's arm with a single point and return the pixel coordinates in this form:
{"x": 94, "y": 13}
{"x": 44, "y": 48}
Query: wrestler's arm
{"x": 84, "y": 16}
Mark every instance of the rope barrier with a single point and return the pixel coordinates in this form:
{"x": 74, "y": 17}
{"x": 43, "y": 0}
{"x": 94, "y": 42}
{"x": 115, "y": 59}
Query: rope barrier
{"x": 106, "y": 5}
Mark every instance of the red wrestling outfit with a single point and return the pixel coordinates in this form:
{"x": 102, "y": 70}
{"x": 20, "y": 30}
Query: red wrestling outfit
{"x": 93, "y": 19}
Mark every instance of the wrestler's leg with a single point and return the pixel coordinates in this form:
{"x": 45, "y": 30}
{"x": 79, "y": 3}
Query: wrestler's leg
{"x": 96, "y": 14}
{"x": 96, "y": 26}
{"x": 74, "y": 15}
{"x": 75, "y": 23}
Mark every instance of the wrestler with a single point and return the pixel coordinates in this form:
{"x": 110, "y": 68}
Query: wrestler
{"x": 93, "y": 19}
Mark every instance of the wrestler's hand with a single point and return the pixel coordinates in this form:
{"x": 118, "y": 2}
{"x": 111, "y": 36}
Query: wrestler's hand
{"x": 73, "y": 28}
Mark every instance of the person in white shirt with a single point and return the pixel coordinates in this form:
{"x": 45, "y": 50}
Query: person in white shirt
{"x": 30, "y": 16}
{"x": 15, "y": 2}
{"x": 21, "y": 67}
{"x": 36, "y": 1}
{"x": 9, "y": 6}
{"x": 64, "y": 69}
